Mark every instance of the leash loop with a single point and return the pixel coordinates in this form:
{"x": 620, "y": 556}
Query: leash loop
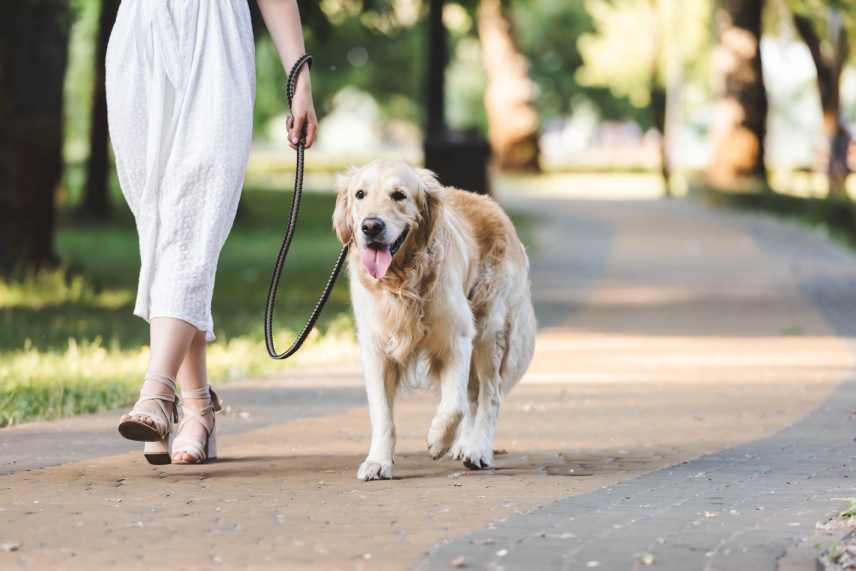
{"x": 291, "y": 86}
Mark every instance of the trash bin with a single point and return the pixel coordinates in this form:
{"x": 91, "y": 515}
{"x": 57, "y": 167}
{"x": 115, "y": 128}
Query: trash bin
{"x": 460, "y": 159}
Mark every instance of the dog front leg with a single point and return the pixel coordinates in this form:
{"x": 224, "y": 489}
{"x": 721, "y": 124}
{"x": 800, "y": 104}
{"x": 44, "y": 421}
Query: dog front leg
{"x": 454, "y": 375}
{"x": 382, "y": 376}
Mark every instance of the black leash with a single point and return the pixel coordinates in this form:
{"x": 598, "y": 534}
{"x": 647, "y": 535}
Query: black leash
{"x": 291, "y": 85}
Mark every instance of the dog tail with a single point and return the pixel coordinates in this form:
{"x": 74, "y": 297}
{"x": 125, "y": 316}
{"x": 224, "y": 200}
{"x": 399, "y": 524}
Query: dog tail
{"x": 520, "y": 345}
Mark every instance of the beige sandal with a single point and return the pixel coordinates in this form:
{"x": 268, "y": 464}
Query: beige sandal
{"x": 162, "y": 410}
{"x": 206, "y": 449}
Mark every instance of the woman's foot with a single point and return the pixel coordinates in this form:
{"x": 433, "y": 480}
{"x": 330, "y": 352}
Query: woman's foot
{"x": 154, "y": 412}
{"x": 152, "y": 417}
{"x": 195, "y": 441}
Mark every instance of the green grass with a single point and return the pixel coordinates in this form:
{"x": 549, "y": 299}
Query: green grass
{"x": 850, "y": 511}
{"x": 68, "y": 341}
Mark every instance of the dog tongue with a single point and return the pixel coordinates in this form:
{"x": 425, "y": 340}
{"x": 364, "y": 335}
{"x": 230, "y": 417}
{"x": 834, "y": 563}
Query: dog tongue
{"x": 376, "y": 261}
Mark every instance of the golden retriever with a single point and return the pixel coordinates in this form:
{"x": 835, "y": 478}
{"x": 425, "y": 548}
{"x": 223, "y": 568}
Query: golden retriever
{"x": 440, "y": 290}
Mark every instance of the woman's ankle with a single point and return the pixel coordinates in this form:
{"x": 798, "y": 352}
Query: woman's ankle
{"x": 158, "y": 383}
{"x": 198, "y": 404}
{"x": 197, "y": 398}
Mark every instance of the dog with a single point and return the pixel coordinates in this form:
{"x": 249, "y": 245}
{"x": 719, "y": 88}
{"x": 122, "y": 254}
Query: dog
{"x": 439, "y": 284}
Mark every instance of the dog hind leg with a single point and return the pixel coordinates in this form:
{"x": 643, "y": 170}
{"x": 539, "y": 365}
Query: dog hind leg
{"x": 475, "y": 444}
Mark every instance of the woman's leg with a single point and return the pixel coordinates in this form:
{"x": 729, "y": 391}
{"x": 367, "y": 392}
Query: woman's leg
{"x": 193, "y": 375}
{"x": 169, "y": 342}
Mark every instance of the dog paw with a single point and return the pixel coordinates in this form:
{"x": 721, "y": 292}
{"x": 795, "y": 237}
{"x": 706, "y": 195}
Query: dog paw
{"x": 473, "y": 457}
{"x": 370, "y": 470}
{"x": 437, "y": 449}
{"x": 441, "y": 435}
{"x": 477, "y": 462}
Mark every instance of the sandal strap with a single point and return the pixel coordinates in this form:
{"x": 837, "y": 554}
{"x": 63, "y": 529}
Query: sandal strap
{"x": 163, "y": 380}
{"x": 204, "y": 416}
{"x": 146, "y": 395}
{"x": 204, "y": 392}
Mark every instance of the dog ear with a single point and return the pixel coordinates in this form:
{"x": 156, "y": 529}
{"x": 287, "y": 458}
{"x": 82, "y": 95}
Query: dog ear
{"x": 432, "y": 194}
{"x": 341, "y": 214}
{"x": 428, "y": 181}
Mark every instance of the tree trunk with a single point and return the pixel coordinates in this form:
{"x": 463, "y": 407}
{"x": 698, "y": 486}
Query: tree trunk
{"x": 741, "y": 119}
{"x": 658, "y": 113}
{"x": 435, "y": 81}
{"x": 659, "y": 101}
{"x": 509, "y": 93}
{"x": 829, "y": 68}
{"x": 96, "y": 200}
{"x": 33, "y": 57}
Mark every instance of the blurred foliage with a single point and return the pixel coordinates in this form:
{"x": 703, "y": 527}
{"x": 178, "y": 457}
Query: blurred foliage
{"x": 376, "y": 50}
{"x": 80, "y": 74}
{"x": 830, "y": 17}
{"x": 634, "y": 39}
{"x": 378, "y": 46}
{"x": 548, "y": 32}
{"x": 465, "y": 84}
{"x": 824, "y": 11}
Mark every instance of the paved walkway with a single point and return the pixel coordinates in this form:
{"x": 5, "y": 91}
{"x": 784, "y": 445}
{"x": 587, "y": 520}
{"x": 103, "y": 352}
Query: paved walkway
{"x": 689, "y": 406}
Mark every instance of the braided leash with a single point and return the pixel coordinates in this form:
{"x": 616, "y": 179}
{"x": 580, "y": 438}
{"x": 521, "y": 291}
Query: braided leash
{"x": 291, "y": 85}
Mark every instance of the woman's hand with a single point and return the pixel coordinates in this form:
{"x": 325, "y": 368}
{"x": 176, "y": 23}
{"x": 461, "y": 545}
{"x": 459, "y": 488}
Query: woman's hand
{"x": 282, "y": 18}
{"x": 303, "y": 122}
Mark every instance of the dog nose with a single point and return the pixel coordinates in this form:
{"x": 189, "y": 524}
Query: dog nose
{"x": 373, "y": 227}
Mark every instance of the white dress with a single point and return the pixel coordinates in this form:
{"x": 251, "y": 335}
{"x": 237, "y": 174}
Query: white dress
{"x": 180, "y": 92}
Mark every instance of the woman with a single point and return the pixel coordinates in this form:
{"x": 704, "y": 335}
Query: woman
{"x": 180, "y": 91}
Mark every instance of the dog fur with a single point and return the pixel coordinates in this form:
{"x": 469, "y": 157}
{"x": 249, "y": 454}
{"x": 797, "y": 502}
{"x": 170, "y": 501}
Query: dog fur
{"x": 453, "y": 308}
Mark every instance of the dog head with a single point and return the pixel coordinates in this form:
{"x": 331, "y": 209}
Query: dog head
{"x": 384, "y": 208}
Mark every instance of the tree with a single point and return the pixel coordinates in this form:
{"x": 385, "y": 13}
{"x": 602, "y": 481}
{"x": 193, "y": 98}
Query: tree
{"x": 659, "y": 101}
{"x": 509, "y": 93}
{"x": 33, "y": 57}
{"x": 829, "y": 56}
{"x": 435, "y": 80}
{"x": 96, "y": 199}
{"x": 741, "y": 121}
{"x": 640, "y": 49}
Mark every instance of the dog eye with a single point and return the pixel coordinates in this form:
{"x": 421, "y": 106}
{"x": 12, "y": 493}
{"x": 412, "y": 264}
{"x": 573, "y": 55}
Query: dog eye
{"x": 398, "y": 196}
{"x": 361, "y": 194}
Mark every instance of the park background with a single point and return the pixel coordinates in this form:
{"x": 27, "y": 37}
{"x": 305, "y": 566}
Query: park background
{"x": 742, "y": 102}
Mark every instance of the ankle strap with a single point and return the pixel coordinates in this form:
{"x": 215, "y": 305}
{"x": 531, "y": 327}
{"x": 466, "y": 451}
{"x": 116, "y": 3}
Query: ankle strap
{"x": 204, "y": 392}
{"x": 163, "y": 380}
